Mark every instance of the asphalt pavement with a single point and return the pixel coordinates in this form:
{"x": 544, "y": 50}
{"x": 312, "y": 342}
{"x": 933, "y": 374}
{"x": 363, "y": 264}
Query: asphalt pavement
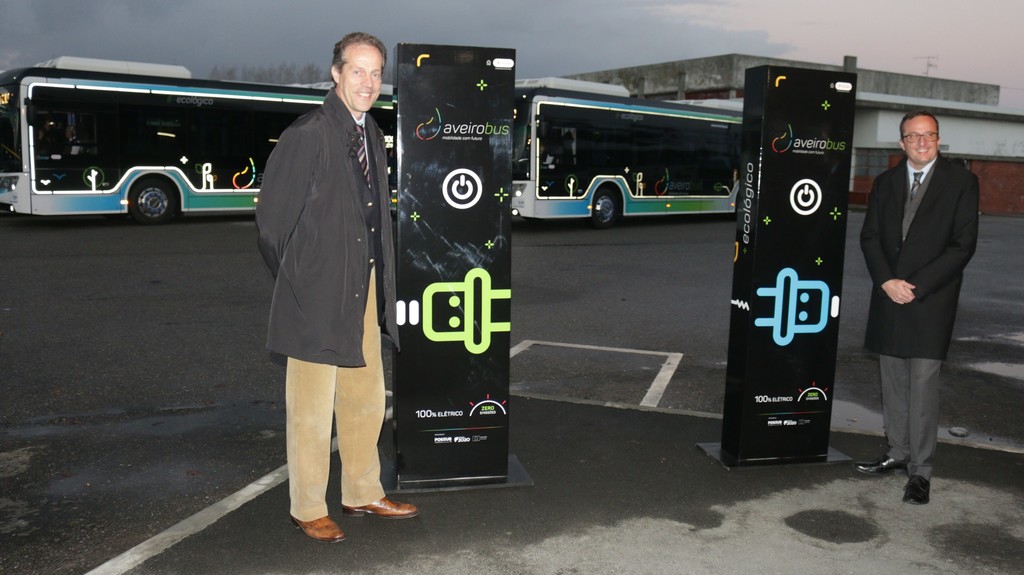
{"x": 141, "y": 424}
{"x": 627, "y": 490}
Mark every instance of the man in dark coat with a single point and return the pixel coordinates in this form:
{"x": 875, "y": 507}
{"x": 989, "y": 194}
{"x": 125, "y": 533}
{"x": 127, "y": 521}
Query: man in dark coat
{"x": 325, "y": 233}
{"x": 920, "y": 231}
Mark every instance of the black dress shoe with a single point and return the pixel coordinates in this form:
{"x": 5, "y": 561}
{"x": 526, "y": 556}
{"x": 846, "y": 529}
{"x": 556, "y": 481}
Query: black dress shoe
{"x": 916, "y": 491}
{"x": 880, "y": 466}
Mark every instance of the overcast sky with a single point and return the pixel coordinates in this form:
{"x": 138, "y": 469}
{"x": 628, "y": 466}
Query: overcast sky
{"x": 976, "y": 40}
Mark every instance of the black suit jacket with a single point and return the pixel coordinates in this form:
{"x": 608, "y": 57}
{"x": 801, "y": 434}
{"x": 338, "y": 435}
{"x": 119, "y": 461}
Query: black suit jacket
{"x": 939, "y": 244}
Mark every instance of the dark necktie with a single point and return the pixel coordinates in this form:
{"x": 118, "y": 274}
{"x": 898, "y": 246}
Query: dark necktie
{"x": 916, "y": 185}
{"x": 361, "y": 154}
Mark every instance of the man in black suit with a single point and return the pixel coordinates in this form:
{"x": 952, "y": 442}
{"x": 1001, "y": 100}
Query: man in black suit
{"x": 920, "y": 231}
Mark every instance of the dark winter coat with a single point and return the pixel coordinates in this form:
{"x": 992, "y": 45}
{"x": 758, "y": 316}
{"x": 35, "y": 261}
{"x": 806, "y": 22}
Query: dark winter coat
{"x": 313, "y": 235}
{"x": 939, "y": 243}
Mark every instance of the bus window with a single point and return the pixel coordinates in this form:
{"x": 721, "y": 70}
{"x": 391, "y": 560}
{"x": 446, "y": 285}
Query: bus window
{"x": 10, "y": 159}
{"x": 268, "y": 127}
{"x": 10, "y": 140}
{"x": 80, "y": 135}
{"x": 49, "y": 132}
{"x": 558, "y": 150}
{"x": 64, "y": 133}
{"x": 222, "y": 139}
{"x": 155, "y": 133}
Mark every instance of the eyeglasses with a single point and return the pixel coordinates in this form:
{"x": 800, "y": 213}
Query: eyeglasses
{"x": 927, "y": 136}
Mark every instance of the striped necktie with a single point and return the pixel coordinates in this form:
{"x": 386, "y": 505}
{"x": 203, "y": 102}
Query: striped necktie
{"x": 361, "y": 154}
{"x": 916, "y": 185}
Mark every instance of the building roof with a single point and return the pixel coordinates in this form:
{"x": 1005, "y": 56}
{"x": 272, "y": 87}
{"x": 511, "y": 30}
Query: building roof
{"x": 960, "y": 109}
{"x": 698, "y": 77}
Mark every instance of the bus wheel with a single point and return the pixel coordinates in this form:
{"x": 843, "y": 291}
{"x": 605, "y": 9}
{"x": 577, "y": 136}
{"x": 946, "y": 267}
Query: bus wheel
{"x": 152, "y": 201}
{"x": 605, "y": 211}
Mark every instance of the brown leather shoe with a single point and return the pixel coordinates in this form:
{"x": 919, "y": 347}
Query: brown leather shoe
{"x": 383, "y": 508}
{"x": 323, "y": 529}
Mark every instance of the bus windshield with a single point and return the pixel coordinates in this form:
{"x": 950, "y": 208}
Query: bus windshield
{"x": 10, "y": 156}
{"x": 521, "y": 141}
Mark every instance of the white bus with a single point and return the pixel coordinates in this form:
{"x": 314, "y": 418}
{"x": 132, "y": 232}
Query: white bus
{"x": 600, "y": 155}
{"x": 84, "y": 136}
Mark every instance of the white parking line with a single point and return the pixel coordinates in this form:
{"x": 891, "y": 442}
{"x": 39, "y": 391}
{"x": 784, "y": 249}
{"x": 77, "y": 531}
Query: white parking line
{"x": 190, "y": 526}
{"x": 654, "y": 392}
{"x": 174, "y": 534}
{"x": 657, "y": 388}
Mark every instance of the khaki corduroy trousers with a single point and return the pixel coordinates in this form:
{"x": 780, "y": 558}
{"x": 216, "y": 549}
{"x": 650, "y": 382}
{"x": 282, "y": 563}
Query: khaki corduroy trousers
{"x": 317, "y": 395}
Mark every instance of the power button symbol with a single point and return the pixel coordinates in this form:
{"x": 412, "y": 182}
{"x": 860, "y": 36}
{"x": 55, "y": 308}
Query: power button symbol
{"x": 462, "y": 189}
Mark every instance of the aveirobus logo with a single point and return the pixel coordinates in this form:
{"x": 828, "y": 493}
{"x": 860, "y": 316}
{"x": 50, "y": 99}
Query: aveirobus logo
{"x": 429, "y": 129}
{"x": 666, "y": 185}
{"x": 818, "y": 144}
{"x": 786, "y": 141}
{"x": 783, "y": 142}
{"x": 472, "y": 131}
{"x": 434, "y": 127}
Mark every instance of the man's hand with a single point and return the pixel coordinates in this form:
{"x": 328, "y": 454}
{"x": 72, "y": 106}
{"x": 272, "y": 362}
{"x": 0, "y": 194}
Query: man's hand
{"x": 899, "y": 291}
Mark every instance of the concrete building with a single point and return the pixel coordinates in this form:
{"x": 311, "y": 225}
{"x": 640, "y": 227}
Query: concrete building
{"x": 987, "y": 138}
